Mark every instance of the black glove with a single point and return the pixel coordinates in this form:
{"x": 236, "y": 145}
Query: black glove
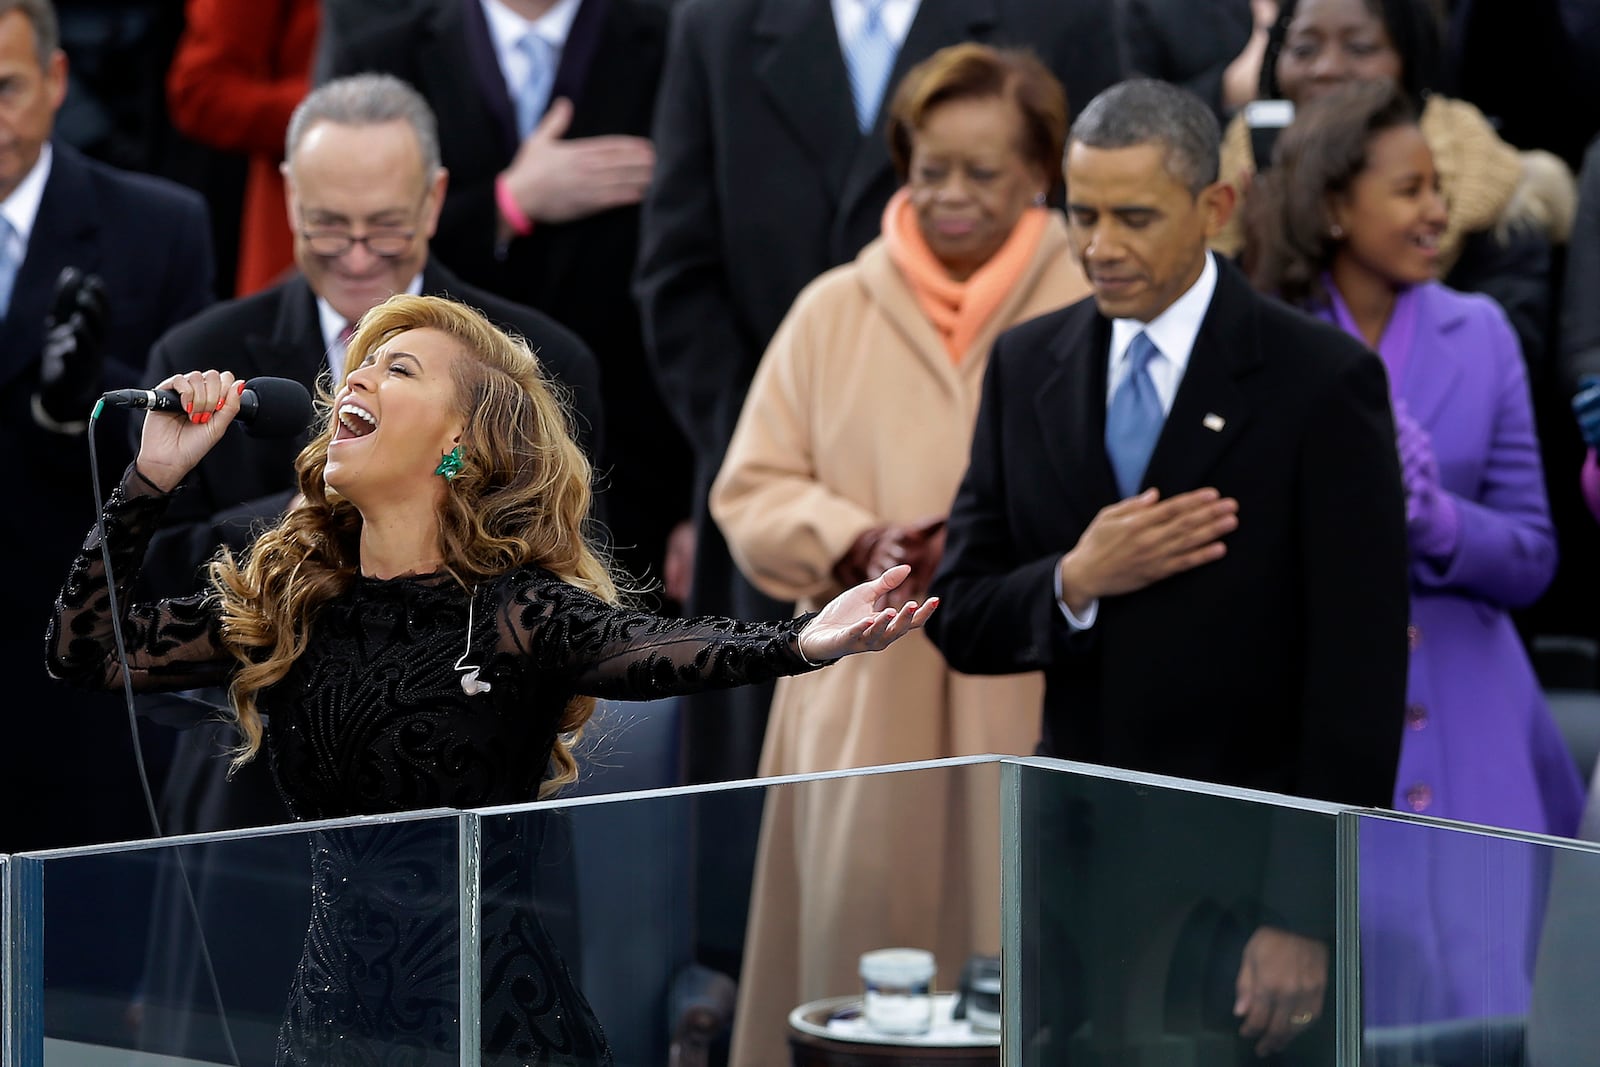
{"x": 1586, "y": 405}
{"x": 73, "y": 358}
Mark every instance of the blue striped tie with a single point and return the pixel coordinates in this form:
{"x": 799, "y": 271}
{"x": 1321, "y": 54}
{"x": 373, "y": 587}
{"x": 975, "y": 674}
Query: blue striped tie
{"x": 1134, "y": 418}
{"x": 533, "y": 96}
{"x": 870, "y": 59}
{"x": 10, "y": 260}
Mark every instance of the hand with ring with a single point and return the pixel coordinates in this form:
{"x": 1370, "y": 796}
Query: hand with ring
{"x": 1282, "y": 979}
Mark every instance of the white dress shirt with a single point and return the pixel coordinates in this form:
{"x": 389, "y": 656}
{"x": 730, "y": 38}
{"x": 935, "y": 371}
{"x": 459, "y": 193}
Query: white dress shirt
{"x": 1173, "y": 332}
{"x": 333, "y": 325}
{"x": 897, "y": 15}
{"x": 506, "y": 28}
{"x": 21, "y": 208}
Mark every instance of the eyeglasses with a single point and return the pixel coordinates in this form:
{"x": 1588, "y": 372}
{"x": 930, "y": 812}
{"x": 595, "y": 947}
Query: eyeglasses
{"x": 386, "y": 244}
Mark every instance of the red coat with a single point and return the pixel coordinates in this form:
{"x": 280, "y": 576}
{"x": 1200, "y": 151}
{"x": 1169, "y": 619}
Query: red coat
{"x": 238, "y": 73}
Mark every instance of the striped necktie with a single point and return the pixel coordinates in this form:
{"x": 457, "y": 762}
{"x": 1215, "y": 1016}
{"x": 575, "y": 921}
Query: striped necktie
{"x": 10, "y": 260}
{"x": 870, "y": 60}
{"x": 533, "y": 95}
{"x": 1134, "y": 418}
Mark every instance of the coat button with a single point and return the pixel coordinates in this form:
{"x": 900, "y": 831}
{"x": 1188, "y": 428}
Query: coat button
{"x": 1419, "y": 797}
{"x": 1416, "y": 717}
{"x": 1413, "y": 637}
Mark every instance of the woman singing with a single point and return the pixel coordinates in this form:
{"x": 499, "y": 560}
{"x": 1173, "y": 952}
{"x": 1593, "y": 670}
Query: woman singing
{"x": 427, "y": 628}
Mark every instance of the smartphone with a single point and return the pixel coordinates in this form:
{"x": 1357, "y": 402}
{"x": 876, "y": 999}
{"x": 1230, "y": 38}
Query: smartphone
{"x": 1266, "y": 119}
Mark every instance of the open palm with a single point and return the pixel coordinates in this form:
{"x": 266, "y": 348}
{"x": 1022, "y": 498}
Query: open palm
{"x": 859, "y": 620}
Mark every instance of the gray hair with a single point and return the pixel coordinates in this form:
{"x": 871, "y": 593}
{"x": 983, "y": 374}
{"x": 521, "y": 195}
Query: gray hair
{"x": 46, "y": 32}
{"x": 367, "y": 100}
{"x": 1145, "y": 111}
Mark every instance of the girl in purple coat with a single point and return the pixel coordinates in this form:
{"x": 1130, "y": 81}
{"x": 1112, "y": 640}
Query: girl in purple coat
{"x": 1348, "y": 228}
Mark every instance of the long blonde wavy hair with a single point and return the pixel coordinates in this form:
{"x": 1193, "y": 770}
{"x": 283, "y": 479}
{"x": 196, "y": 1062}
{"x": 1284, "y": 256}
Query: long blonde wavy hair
{"x": 522, "y": 497}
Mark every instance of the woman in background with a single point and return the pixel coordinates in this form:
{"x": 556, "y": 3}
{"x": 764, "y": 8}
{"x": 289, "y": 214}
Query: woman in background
{"x": 1350, "y": 225}
{"x": 1506, "y": 207}
{"x": 853, "y": 439}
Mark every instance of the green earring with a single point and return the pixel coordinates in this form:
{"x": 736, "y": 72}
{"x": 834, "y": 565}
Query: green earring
{"x": 449, "y": 464}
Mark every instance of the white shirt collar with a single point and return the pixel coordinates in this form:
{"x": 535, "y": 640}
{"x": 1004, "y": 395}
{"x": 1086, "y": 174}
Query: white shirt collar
{"x": 1173, "y": 332}
{"x": 21, "y": 208}
{"x": 506, "y": 28}
{"x": 897, "y": 15}
{"x": 333, "y": 325}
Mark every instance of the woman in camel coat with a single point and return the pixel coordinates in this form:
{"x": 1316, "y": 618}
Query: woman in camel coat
{"x": 853, "y": 439}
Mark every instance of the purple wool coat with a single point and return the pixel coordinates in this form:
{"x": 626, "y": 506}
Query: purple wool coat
{"x": 1449, "y": 921}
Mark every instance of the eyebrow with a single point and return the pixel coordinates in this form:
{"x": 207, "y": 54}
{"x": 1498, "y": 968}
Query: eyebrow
{"x": 387, "y": 216}
{"x": 391, "y": 356}
{"x": 1123, "y": 211}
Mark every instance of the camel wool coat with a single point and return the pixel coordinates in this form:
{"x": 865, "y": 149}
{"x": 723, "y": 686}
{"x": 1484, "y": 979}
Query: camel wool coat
{"x": 858, "y": 417}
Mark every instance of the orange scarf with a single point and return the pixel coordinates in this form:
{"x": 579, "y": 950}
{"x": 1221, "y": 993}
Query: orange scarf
{"x": 958, "y": 310}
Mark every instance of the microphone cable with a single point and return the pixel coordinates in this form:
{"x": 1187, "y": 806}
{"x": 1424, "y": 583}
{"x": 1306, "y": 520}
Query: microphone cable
{"x": 138, "y": 747}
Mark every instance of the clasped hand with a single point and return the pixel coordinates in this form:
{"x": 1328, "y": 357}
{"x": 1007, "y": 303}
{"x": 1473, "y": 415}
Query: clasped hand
{"x": 862, "y": 619}
{"x": 1430, "y": 510}
{"x": 919, "y": 545}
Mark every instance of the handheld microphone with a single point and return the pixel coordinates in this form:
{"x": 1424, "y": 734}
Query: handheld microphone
{"x": 268, "y": 407}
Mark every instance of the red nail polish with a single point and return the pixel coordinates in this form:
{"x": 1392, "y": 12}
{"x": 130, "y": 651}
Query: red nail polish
{"x": 239, "y": 388}
{"x": 188, "y": 406}
{"x": 221, "y": 402}
{"x": 205, "y": 417}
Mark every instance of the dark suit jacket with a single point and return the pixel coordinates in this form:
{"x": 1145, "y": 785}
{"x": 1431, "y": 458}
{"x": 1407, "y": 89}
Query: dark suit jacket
{"x": 245, "y": 481}
{"x": 1187, "y": 42}
{"x": 763, "y": 180}
{"x": 1280, "y": 667}
{"x": 70, "y": 779}
{"x": 576, "y": 272}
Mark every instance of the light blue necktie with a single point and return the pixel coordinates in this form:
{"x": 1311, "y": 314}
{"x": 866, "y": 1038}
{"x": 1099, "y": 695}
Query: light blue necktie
{"x": 534, "y": 95}
{"x": 1134, "y": 418}
{"x": 870, "y": 60}
{"x": 10, "y": 260}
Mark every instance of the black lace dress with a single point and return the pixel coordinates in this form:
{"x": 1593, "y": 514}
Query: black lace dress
{"x": 373, "y": 718}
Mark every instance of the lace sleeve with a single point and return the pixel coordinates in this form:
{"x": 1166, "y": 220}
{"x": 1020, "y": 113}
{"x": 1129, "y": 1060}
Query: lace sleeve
{"x": 620, "y": 654}
{"x": 172, "y": 644}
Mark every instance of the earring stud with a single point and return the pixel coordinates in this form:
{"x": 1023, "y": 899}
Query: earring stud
{"x": 450, "y": 464}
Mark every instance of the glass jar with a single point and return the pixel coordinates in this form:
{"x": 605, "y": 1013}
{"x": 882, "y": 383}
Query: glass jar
{"x": 898, "y": 985}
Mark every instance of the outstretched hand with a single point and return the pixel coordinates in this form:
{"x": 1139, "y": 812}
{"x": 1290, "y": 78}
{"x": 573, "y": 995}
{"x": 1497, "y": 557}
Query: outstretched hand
{"x": 860, "y": 620}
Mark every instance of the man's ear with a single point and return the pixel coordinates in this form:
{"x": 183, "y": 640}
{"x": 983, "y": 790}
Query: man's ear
{"x": 288, "y": 195}
{"x": 55, "y": 77}
{"x": 1218, "y": 200}
{"x": 436, "y": 191}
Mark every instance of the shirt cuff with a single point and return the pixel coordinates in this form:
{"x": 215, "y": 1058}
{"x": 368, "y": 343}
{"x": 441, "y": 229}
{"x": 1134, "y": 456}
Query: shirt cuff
{"x": 1074, "y": 621}
{"x": 43, "y": 419}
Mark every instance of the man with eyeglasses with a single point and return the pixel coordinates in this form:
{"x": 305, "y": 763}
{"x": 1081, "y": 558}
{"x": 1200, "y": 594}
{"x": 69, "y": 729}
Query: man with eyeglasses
{"x": 364, "y": 189}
